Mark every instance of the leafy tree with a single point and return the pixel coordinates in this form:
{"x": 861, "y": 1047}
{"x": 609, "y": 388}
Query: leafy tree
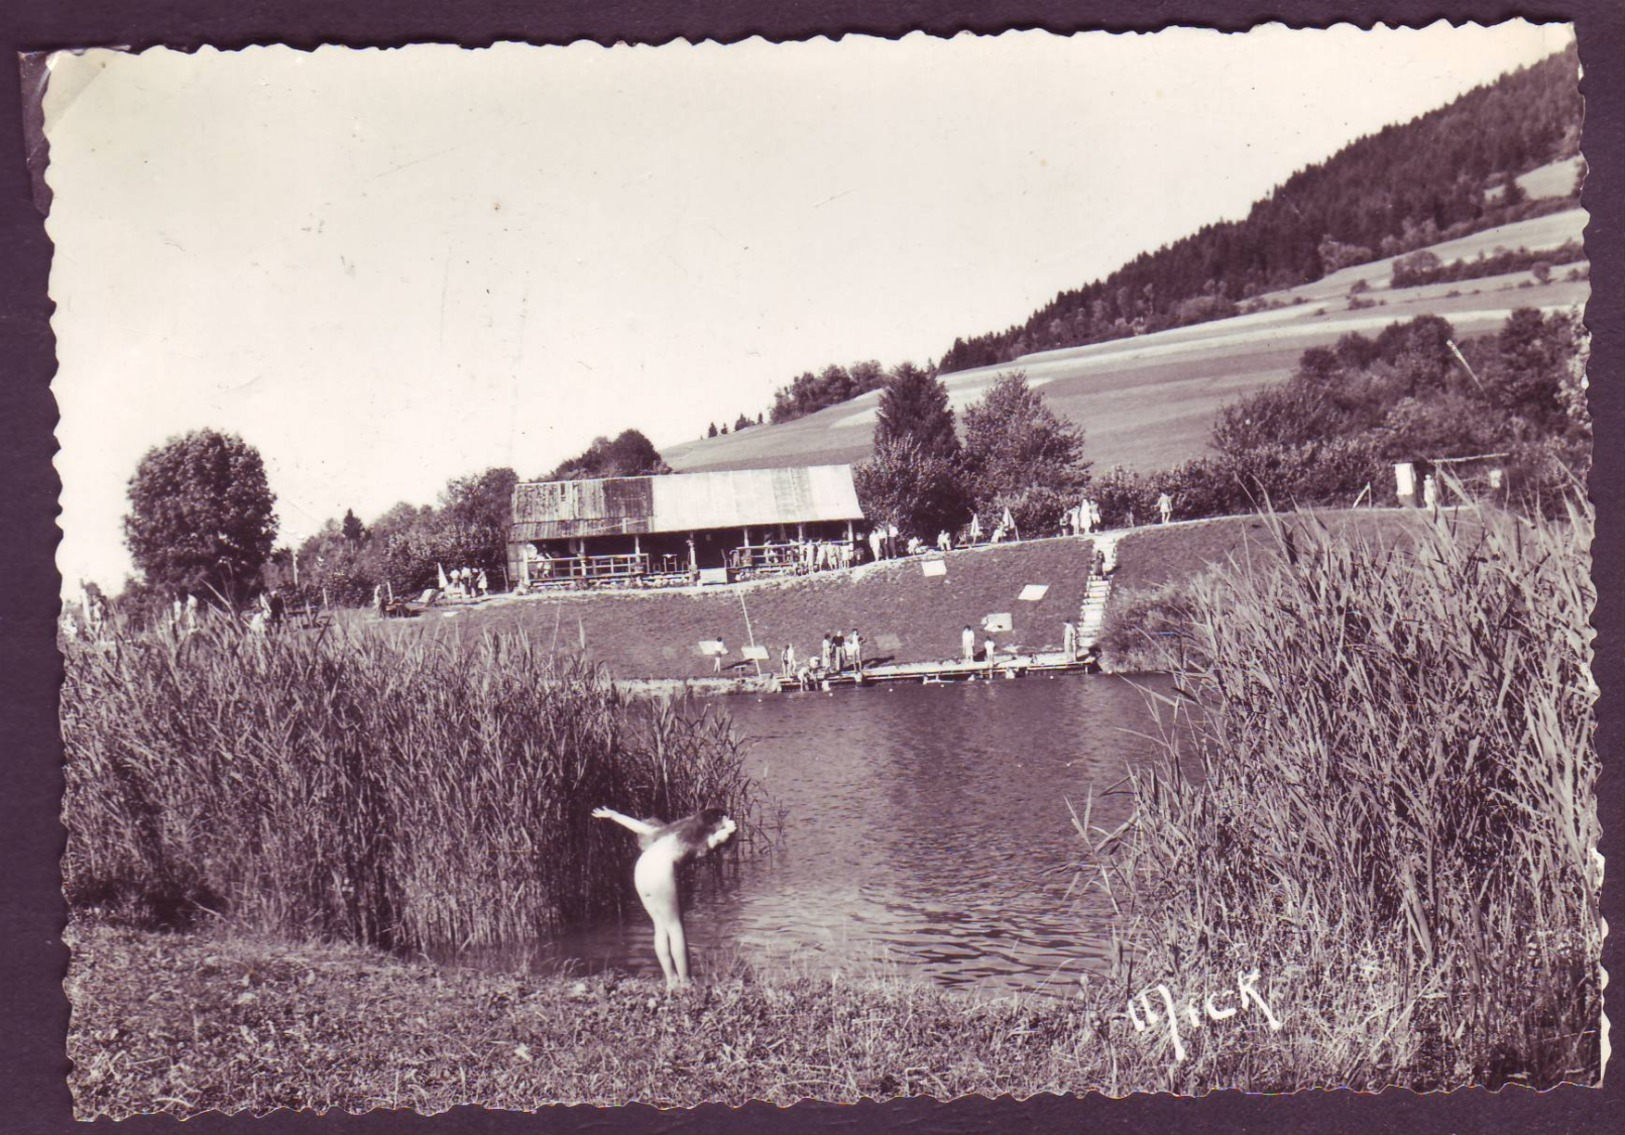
{"x": 905, "y": 483}
{"x": 475, "y": 512}
{"x": 914, "y": 405}
{"x": 1291, "y": 414}
{"x": 630, "y": 454}
{"x": 480, "y": 500}
{"x": 1536, "y": 373}
{"x": 810, "y": 393}
{"x": 1015, "y": 442}
{"x": 202, "y": 516}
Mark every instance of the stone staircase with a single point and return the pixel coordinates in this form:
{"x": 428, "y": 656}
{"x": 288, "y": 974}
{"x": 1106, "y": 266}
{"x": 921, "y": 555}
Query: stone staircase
{"x": 1092, "y": 612}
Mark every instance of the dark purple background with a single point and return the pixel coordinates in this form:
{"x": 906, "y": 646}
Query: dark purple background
{"x": 33, "y": 1009}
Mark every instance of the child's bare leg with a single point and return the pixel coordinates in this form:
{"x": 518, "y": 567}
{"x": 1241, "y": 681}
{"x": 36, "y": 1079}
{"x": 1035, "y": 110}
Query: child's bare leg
{"x": 679, "y": 952}
{"x": 663, "y": 952}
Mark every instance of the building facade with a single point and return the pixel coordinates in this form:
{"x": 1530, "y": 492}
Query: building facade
{"x": 678, "y": 527}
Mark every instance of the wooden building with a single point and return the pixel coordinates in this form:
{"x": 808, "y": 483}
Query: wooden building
{"x": 678, "y": 527}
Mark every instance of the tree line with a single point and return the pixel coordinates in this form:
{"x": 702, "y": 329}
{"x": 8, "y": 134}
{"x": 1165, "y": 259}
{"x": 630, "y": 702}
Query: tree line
{"x": 1331, "y": 434}
{"x": 1403, "y": 188}
{"x": 202, "y": 521}
{"x": 1327, "y": 436}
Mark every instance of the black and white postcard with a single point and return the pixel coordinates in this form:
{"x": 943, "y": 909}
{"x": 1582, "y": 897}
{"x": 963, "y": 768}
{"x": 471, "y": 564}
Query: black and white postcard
{"x": 990, "y": 565}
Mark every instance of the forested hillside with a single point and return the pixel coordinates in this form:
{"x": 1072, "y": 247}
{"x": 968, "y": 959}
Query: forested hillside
{"x": 1406, "y": 187}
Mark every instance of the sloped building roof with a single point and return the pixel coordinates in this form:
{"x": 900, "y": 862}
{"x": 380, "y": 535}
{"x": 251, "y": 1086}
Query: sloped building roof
{"x": 683, "y": 502}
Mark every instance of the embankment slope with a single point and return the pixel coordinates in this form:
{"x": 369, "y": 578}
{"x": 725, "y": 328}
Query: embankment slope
{"x": 902, "y": 614}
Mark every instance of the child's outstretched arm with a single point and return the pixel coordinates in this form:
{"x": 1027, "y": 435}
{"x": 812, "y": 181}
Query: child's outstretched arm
{"x": 641, "y": 827}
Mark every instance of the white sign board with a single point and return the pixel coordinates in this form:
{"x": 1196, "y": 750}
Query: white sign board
{"x": 711, "y": 646}
{"x": 754, "y": 653}
{"x": 933, "y": 567}
{"x": 1033, "y": 592}
{"x": 996, "y": 622}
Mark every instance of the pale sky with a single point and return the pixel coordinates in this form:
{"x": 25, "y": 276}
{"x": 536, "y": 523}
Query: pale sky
{"x": 388, "y": 268}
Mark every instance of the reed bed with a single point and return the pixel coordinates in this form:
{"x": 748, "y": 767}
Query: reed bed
{"x": 1380, "y": 791}
{"x": 403, "y": 792}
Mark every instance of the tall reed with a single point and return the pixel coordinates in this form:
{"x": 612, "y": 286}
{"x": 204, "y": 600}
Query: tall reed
{"x": 1395, "y": 805}
{"x": 409, "y": 792}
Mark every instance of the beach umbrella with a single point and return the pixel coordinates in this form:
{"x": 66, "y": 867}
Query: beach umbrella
{"x": 975, "y": 527}
{"x": 441, "y": 571}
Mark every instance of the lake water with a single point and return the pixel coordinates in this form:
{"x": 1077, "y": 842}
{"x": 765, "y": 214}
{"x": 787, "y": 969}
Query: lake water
{"x": 923, "y": 827}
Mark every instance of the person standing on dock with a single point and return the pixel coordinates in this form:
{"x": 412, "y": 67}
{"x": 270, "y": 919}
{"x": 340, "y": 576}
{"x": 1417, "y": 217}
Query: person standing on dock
{"x": 988, "y": 648}
{"x": 967, "y": 643}
{"x": 837, "y": 649}
{"x": 854, "y": 651}
{"x": 716, "y": 659}
{"x": 787, "y": 660}
{"x": 825, "y": 652}
{"x": 1069, "y": 641}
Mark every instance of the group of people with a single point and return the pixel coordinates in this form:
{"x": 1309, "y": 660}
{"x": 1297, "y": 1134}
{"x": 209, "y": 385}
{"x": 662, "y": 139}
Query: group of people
{"x": 467, "y": 583}
{"x": 837, "y": 654}
{"x": 270, "y": 610}
{"x": 884, "y": 541}
{"x": 1083, "y": 517}
{"x": 802, "y": 556}
{"x": 94, "y": 609}
{"x": 967, "y": 646}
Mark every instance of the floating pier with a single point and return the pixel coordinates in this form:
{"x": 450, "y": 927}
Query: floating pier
{"x": 941, "y": 673}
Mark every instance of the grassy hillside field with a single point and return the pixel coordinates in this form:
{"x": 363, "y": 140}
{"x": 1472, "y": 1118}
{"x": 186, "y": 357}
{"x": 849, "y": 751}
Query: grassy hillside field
{"x": 1149, "y": 402}
{"x": 902, "y": 614}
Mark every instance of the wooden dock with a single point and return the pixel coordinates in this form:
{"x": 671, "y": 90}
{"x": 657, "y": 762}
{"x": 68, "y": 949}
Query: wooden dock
{"x": 941, "y": 673}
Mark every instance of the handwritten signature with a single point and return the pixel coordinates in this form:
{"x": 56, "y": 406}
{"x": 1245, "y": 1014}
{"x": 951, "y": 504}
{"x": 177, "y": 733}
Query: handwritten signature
{"x": 1145, "y": 1014}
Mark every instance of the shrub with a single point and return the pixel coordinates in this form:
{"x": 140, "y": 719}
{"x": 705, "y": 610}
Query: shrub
{"x": 1149, "y": 630}
{"x": 1124, "y": 497}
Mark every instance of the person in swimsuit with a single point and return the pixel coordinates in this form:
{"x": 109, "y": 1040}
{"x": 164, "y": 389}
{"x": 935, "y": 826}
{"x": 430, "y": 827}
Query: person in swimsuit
{"x": 655, "y": 875}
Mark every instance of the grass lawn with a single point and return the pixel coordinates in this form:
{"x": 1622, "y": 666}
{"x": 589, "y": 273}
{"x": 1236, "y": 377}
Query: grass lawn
{"x": 187, "y": 1023}
{"x": 902, "y": 614}
{"x": 1151, "y": 556}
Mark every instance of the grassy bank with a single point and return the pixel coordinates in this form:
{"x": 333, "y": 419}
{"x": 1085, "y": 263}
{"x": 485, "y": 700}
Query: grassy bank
{"x": 188, "y": 1023}
{"x": 1150, "y": 617}
{"x": 903, "y": 614}
{"x": 1398, "y": 776}
{"x": 396, "y": 791}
